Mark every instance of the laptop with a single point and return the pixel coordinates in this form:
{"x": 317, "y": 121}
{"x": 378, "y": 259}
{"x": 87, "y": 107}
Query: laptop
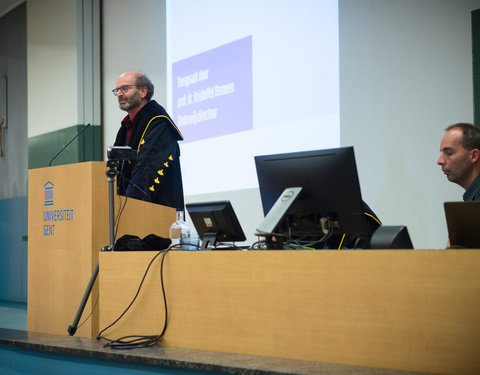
{"x": 463, "y": 223}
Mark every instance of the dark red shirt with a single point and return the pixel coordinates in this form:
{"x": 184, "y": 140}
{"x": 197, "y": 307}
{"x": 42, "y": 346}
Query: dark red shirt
{"x": 129, "y": 124}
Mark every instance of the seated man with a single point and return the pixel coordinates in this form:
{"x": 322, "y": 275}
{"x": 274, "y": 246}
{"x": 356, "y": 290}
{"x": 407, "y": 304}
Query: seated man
{"x": 460, "y": 158}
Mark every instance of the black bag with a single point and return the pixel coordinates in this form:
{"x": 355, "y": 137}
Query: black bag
{"x": 151, "y": 242}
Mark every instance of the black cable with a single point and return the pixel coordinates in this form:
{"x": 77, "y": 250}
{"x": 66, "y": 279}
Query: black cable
{"x": 89, "y": 315}
{"x": 180, "y": 246}
{"x": 324, "y": 239}
{"x": 256, "y": 245}
{"x": 307, "y": 244}
{"x": 119, "y": 214}
{"x": 139, "y": 341}
{"x": 227, "y": 246}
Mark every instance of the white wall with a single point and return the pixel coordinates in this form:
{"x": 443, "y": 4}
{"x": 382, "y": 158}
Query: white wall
{"x": 52, "y": 65}
{"x": 133, "y": 39}
{"x": 405, "y": 72}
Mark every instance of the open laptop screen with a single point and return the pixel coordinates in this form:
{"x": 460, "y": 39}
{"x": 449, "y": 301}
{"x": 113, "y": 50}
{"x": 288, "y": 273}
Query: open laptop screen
{"x": 463, "y": 223}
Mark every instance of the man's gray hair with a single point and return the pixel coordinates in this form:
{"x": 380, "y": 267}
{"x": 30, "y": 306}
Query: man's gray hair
{"x": 143, "y": 80}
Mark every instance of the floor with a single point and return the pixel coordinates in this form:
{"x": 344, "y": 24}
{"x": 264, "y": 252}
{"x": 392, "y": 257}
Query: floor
{"x": 13, "y": 315}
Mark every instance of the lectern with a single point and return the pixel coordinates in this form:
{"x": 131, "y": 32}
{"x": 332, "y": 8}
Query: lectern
{"x": 68, "y": 223}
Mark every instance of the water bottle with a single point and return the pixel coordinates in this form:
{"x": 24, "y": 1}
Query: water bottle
{"x": 192, "y": 242}
{"x": 180, "y": 233}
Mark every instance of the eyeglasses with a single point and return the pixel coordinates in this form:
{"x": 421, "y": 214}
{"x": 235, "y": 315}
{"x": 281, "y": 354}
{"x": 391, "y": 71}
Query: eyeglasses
{"x": 123, "y": 89}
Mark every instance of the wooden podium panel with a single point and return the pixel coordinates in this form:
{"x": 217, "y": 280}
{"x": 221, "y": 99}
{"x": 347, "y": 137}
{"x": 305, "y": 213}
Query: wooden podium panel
{"x": 68, "y": 223}
{"x": 414, "y": 310}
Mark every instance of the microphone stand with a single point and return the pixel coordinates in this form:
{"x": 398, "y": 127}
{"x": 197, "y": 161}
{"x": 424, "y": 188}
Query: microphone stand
{"x": 111, "y": 173}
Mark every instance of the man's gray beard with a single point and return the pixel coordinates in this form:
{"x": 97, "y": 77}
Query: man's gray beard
{"x": 133, "y": 102}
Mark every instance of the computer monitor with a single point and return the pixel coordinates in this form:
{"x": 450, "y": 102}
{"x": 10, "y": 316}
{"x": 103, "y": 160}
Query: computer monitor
{"x": 330, "y": 200}
{"x": 215, "y": 222}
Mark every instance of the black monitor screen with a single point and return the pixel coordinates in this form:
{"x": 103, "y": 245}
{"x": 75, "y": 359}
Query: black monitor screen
{"x": 330, "y": 188}
{"x": 215, "y": 222}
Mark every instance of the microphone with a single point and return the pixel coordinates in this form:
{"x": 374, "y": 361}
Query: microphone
{"x": 64, "y": 147}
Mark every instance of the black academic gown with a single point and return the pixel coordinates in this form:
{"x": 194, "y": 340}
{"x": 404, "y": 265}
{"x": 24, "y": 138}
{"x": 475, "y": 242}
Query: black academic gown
{"x": 157, "y": 167}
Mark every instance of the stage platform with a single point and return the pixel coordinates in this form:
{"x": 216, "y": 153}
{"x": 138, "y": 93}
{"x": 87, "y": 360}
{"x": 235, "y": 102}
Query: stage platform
{"x": 80, "y": 355}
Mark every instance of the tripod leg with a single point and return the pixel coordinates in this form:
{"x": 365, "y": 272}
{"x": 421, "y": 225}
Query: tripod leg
{"x": 73, "y": 327}
{"x": 111, "y": 173}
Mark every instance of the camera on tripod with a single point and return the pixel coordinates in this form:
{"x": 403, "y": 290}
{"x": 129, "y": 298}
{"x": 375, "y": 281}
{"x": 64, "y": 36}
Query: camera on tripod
{"x": 121, "y": 153}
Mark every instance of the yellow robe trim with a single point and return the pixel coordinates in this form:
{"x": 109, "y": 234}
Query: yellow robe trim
{"x": 160, "y": 172}
{"x": 153, "y": 118}
{"x": 151, "y": 188}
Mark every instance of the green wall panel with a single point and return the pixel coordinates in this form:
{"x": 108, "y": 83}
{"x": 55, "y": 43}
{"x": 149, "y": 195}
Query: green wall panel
{"x": 86, "y": 147}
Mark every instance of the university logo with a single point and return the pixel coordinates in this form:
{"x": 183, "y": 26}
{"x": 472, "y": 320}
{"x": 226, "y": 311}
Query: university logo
{"x": 48, "y": 193}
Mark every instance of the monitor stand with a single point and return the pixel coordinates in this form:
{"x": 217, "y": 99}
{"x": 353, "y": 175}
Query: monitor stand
{"x": 278, "y": 211}
{"x": 209, "y": 240}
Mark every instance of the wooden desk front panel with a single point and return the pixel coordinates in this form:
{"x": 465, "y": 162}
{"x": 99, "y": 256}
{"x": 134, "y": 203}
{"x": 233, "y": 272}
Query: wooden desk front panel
{"x": 61, "y": 259}
{"x": 410, "y": 310}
